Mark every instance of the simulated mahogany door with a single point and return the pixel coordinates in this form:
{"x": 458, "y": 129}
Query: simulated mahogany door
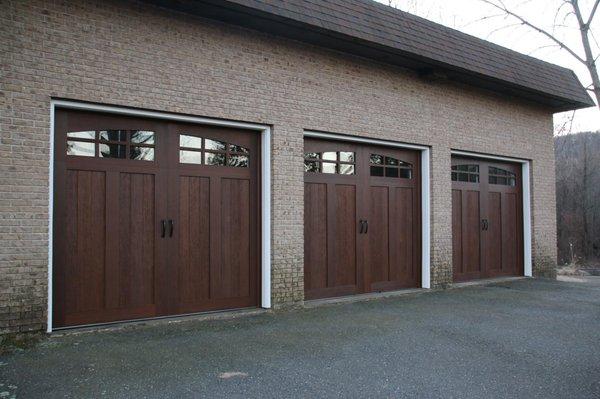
{"x": 361, "y": 219}
{"x": 487, "y": 219}
{"x": 392, "y": 209}
{"x": 332, "y": 195}
{"x": 503, "y": 230}
{"x": 109, "y": 198}
{"x": 151, "y": 218}
{"x": 213, "y": 200}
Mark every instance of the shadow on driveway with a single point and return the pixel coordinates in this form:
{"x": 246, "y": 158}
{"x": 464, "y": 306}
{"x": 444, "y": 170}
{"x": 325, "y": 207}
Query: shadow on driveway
{"x": 525, "y": 339}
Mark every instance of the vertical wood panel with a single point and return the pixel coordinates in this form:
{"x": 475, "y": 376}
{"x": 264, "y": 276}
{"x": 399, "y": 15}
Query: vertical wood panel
{"x": 216, "y": 270}
{"x": 136, "y": 236}
{"x": 112, "y": 280}
{"x": 85, "y": 240}
{"x": 379, "y": 237}
{"x": 194, "y": 239}
{"x": 233, "y": 278}
{"x": 471, "y": 238}
{"x": 343, "y": 237}
{"x": 494, "y": 247}
{"x": 402, "y": 228}
{"x": 457, "y": 217}
{"x": 510, "y": 233}
{"x": 315, "y": 236}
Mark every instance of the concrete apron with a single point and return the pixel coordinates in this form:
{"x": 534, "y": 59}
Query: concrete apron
{"x": 250, "y": 312}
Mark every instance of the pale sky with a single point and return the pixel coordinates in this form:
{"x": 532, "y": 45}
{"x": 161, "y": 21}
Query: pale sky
{"x": 466, "y": 15}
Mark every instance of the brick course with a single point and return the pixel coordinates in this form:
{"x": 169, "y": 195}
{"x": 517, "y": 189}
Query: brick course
{"x": 127, "y": 54}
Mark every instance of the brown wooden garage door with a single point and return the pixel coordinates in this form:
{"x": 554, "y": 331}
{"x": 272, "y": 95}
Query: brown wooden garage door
{"x": 487, "y": 219}
{"x": 362, "y": 229}
{"x": 152, "y": 218}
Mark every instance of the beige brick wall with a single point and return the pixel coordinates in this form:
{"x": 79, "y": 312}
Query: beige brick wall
{"x": 125, "y": 54}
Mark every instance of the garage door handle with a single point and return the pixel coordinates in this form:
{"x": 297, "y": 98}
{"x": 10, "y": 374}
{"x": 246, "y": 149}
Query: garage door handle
{"x": 366, "y": 226}
{"x": 361, "y": 226}
{"x": 163, "y": 228}
{"x": 484, "y": 224}
{"x": 170, "y": 228}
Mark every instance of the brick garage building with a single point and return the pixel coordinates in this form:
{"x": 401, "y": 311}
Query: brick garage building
{"x": 173, "y": 157}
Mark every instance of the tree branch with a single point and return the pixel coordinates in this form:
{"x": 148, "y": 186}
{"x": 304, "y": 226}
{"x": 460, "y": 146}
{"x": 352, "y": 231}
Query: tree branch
{"x": 541, "y": 48}
{"x": 502, "y": 28}
{"x": 589, "y": 21}
{"x": 590, "y": 62}
{"x": 591, "y": 33}
{"x": 562, "y": 130}
{"x": 482, "y": 19}
{"x": 523, "y": 21}
{"x": 558, "y": 12}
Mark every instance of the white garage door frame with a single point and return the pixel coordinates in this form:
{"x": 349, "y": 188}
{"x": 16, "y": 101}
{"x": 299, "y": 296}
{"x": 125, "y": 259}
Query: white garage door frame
{"x": 425, "y": 191}
{"x": 525, "y": 171}
{"x": 263, "y": 130}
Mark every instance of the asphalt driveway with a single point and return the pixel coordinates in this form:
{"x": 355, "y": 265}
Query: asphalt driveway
{"x": 525, "y": 339}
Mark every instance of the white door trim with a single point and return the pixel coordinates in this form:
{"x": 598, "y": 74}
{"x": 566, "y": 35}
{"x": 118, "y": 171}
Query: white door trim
{"x": 525, "y": 170}
{"x": 425, "y": 192}
{"x": 265, "y": 132}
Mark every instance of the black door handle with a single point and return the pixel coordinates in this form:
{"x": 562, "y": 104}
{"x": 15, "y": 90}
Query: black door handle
{"x": 366, "y": 226}
{"x": 484, "y": 225}
{"x": 170, "y": 228}
{"x": 487, "y": 225}
{"x": 163, "y": 228}
{"x": 360, "y": 223}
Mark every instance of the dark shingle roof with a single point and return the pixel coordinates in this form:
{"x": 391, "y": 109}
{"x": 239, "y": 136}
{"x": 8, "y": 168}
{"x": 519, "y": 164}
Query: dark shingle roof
{"x": 374, "y": 30}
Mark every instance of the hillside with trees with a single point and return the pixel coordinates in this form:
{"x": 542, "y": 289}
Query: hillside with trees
{"x": 578, "y": 197}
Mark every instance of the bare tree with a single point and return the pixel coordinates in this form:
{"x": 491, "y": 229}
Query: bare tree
{"x": 588, "y": 58}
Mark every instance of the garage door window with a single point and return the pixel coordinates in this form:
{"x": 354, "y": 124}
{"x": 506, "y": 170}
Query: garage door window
{"x": 122, "y": 144}
{"x": 198, "y": 150}
{"x": 465, "y": 173}
{"x": 502, "y": 177}
{"x": 331, "y": 162}
{"x": 384, "y": 166}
